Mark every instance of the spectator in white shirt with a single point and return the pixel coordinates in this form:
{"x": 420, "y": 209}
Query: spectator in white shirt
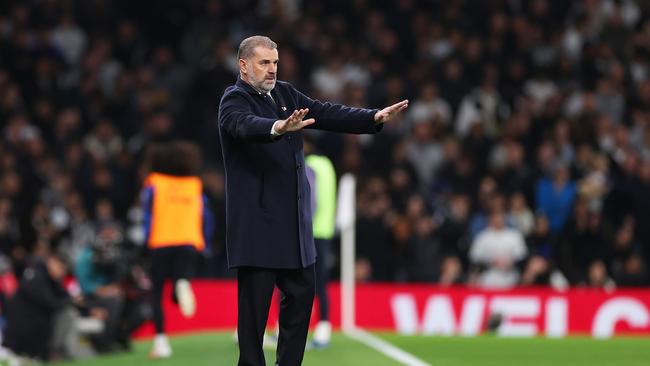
{"x": 497, "y": 249}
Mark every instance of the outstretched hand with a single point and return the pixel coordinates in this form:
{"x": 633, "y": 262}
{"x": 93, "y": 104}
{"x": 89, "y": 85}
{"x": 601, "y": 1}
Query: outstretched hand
{"x": 294, "y": 122}
{"x": 389, "y": 112}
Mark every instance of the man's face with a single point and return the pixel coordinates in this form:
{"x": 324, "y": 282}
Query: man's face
{"x": 261, "y": 69}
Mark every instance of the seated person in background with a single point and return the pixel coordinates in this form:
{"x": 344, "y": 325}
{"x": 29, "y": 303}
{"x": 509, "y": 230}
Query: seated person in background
{"x": 453, "y": 234}
{"x": 539, "y": 266}
{"x": 32, "y": 311}
{"x": 497, "y": 249}
{"x": 99, "y": 272}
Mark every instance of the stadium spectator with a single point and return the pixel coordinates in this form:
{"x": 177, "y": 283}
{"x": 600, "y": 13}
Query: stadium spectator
{"x": 453, "y": 234}
{"x": 625, "y": 263}
{"x": 520, "y": 214}
{"x": 376, "y": 249}
{"x": 420, "y": 251}
{"x": 555, "y": 196}
{"x": 584, "y": 246}
{"x": 496, "y": 251}
{"x": 541, "y": 260}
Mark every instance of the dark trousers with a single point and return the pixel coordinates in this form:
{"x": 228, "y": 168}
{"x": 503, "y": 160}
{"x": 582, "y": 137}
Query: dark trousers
{"x": 173, "y": 263}
{"x": 322, "y": 276}
{"x": 114, "y": 334}
{"x": 255, "y": 290}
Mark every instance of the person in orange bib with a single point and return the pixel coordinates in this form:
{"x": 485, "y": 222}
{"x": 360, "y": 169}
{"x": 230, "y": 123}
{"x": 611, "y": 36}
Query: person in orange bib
{"x": 176, "y": 221}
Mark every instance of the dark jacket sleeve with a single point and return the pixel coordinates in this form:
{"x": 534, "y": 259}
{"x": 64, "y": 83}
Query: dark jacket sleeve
{"x": 237, "y": 119}
{"x": 146, "y": 202}
{"x": 337, "y": 117}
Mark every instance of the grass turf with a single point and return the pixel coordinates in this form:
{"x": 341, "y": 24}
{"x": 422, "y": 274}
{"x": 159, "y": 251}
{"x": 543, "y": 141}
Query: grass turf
{"x": 216, "y": 349}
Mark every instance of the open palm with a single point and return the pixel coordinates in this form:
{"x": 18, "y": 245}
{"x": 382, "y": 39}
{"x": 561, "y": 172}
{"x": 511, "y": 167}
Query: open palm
{"x": 390, "y": 112}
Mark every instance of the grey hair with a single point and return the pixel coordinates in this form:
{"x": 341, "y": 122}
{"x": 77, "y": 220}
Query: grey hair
{"x": 247, "y": 46}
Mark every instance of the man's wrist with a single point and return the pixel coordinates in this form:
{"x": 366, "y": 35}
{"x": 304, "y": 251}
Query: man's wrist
{"x": 375, "y": 117}
{"x": 274, "y": 131}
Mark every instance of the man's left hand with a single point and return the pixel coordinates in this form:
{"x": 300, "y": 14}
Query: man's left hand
{"x": 389, "y": 112}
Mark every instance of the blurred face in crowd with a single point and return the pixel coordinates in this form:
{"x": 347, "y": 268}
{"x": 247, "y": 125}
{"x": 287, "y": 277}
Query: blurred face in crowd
{"x": 560, "y": 174}
{"x": 56, "y": 268}
{"x": 415, "y": 206}
{"x": 460, "y": 207}
{"x": 422, "y": 131}
{"x": 541, "y": 225}
{"x": 518, "y": 202}
{"x": 624, "y": 236}
{"x": 399, "y": 178}
{"x": 497, "y": 220}
{"x": 260, "y": 70}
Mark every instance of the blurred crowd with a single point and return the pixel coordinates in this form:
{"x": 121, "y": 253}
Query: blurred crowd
{"x": 524, "y": 157}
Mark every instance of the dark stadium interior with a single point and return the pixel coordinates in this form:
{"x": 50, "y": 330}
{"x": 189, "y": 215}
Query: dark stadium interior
{"x": 527, "y": 115}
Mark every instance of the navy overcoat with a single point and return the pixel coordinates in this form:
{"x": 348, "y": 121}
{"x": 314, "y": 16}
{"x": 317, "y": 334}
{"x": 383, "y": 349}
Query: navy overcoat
{"x": 268, "y": 210}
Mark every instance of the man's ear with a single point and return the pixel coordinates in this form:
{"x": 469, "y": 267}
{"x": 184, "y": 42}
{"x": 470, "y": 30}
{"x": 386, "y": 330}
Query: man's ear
{"x": 242, "y": 66}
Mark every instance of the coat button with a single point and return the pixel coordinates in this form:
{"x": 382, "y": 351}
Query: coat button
{"x": 299, "y": 197}
{"x": 288, "y": 137}
{"x": 299, "y": 166}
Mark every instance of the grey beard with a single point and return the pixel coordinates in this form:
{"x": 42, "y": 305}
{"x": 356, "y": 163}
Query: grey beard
{"x": 266, "y": 90}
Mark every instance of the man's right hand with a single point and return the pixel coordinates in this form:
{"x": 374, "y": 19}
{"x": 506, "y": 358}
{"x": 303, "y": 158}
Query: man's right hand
{"x": 294, "y": 122}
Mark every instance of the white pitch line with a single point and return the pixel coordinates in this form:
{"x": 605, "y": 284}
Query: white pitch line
{"x": 384, "y": 347}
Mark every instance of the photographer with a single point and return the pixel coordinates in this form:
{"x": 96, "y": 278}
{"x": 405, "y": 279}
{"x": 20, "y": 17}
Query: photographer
{"x": 99, "y": 270}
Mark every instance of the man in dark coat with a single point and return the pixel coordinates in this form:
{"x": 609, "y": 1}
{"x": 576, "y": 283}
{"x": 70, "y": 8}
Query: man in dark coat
{"x": 31, "y": 311}
{"x": 269, "y": 228}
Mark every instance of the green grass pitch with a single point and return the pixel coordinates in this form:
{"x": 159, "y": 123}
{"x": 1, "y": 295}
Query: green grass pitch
{"x": 216, "y": 349}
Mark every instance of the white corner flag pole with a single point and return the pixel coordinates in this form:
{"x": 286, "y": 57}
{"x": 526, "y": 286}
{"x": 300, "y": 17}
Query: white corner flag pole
{"x": 346, "y": 218}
